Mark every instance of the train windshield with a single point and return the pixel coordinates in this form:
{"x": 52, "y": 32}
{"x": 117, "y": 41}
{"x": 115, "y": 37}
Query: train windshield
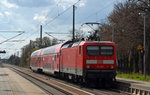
{"x": 92, "y": 50}
{"x": 106, "y": 50}
{"x": 100, "y": 50}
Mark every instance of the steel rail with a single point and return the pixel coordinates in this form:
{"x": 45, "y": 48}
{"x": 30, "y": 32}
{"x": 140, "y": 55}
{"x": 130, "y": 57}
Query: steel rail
{"x": 47, "y": 87}
{"x": 75, "y": 85}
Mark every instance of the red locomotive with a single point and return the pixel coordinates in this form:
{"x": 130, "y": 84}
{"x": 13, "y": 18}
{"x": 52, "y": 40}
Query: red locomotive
{"x": 79, "y": 61}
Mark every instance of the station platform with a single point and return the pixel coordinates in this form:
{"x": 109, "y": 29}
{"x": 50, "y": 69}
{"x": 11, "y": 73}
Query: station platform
{"x": 136, "y": 87}
{"x": 13, "y": 84}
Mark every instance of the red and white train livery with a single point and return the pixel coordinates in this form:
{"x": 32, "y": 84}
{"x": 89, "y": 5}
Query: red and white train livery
{"x": 81, "y": 61}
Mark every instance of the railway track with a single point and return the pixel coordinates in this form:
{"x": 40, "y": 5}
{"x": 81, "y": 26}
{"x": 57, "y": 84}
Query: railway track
{"x": 49, "y": 89}
{"x": 54, "y": 86}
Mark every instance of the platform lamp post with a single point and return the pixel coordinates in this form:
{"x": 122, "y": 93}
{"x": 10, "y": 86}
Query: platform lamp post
{"x": 144, "y": 16}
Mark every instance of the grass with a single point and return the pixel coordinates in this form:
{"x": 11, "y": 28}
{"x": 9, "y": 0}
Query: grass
{"x": 134, "y": 76}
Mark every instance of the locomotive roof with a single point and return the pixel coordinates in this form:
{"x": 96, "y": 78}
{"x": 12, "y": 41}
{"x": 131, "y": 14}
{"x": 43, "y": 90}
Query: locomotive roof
{"x": 68, "y": 42}
{"x": 83, "y": 42}
{"x": 72, "y": 44}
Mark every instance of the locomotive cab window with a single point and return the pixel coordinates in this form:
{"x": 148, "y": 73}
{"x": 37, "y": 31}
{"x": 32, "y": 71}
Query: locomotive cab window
{"x": 75, "y": 44}
{"x": 70, "y": 45}
{"x": 65, "y": 46}
{"x": 92, "y": 50}
{"x": 106, "y": 50}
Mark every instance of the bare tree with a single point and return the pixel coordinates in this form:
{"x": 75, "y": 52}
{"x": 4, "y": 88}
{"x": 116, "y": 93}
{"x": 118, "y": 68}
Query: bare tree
{"x": 128, "y": 33}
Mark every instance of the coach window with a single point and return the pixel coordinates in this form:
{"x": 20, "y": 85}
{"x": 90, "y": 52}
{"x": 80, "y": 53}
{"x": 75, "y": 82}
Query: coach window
{"x": 92, "y": 50}
{"x": 55, "y": 58}
{"x": 79, "y": 50}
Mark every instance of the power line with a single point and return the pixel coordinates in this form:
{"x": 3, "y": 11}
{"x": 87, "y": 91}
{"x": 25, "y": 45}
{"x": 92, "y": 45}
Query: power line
{"x": 3, "y": 36}
{"x": 11, "y": 31}
{"x": 54, "y": 18}
{"x": 99, "y": 11}
{"x": 53, "y": 37}
{"x": 62, "y": 21}
{"x": 60, "y": 14}
{"x": 54, "y": 8}
{"x": 50, "y": 35}
{"x": 16, "y": 41}
{"x": 12, "y": 37}
{"x": 41, "y": 21}
{"x": 55, "y": 33}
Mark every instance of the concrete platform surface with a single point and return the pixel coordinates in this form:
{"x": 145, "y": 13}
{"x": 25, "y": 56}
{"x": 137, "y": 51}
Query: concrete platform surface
{"x": 135, "y": 83}
{"x": 13, "y": 84}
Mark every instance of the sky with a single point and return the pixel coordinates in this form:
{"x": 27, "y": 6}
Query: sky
{"x": 26, "y": 16}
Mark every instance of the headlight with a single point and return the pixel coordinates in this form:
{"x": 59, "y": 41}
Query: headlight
{"x": 88, "y": 66}
{"x": 111, "y": 66}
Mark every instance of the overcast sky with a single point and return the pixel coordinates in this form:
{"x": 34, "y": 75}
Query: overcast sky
{"x": 28, "y": 15}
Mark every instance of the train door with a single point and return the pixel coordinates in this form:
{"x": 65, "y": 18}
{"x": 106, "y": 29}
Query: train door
{"x": 53, "y": 61}
{"x": 57, "y": 61}
{"x": 61, "y": 63}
